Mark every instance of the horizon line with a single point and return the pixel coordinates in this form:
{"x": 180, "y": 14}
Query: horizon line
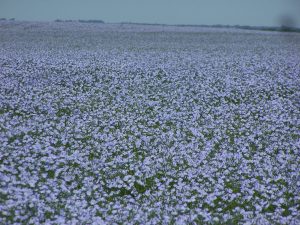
{"x": 281, "y": 28}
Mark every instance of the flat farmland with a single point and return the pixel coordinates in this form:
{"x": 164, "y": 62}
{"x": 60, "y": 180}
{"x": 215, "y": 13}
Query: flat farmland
{"x": 148, "y": 124}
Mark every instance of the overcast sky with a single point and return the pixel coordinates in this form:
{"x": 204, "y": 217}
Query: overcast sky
{"x": 242, "y": 12}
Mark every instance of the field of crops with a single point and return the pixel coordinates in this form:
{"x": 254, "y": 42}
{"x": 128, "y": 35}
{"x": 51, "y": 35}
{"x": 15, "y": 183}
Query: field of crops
{"x": 136, "y": 124}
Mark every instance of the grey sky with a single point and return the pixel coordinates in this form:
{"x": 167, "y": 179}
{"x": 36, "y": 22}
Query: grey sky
{"x": 242, "y": 12}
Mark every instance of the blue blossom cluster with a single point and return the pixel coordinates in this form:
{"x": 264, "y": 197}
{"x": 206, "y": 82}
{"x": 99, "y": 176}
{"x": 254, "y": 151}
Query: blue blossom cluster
{"x": 135, "y": 124}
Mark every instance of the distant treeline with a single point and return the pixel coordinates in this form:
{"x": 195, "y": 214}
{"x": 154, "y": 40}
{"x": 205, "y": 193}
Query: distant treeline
{"x": 262, "y": 28}
{"x": 80, "y": 21}
{"x": 3, "y": 19}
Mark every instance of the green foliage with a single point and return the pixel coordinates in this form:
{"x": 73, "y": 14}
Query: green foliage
{"x": 269, "y": 209}
{"x": 51, "y": 174}
{"x": 140, "y": 188}
{"x": 63, "y": 112}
